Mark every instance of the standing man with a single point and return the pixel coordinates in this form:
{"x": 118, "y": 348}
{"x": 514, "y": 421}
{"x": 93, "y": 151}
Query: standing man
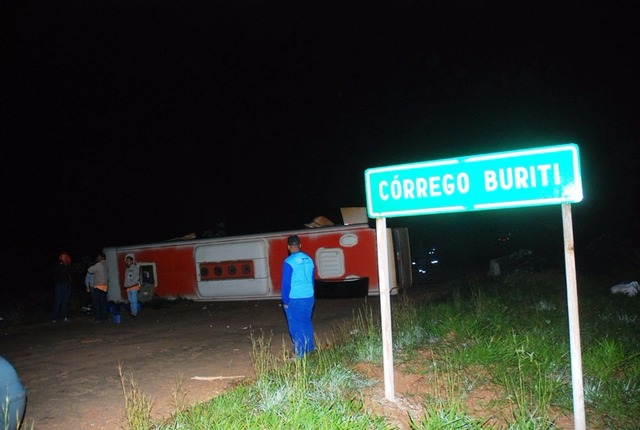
{"x": 62, "y": 278}
{"x": 132, "y": 283}
{"x": 100, "y": 270}
{"x": 89, "y": 281}
{"x": 297, "y": 296}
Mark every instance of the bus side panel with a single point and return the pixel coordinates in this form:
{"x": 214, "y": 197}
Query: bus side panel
{"x": 233, "y": 269}
{"x": 357, "y": 248}
{"x": 174, "y": 269}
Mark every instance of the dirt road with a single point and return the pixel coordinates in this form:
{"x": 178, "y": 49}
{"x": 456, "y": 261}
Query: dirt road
{"x": 70, "y": 369}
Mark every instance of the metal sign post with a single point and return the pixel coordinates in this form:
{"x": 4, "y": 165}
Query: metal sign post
{"x": 385, "y": 308}
{"x": 574, "y": 323}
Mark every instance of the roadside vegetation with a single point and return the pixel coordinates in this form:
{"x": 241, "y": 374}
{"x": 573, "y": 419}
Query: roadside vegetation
{"x": 481, "y": 354}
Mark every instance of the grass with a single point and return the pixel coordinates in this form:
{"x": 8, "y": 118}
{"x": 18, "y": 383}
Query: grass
{"x": 137, "y": 404}
{"x": 493, "y": 354}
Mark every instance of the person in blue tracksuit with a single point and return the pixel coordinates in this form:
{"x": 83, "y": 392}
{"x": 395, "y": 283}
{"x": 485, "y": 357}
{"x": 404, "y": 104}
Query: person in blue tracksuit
{"x": 297, "y": 296}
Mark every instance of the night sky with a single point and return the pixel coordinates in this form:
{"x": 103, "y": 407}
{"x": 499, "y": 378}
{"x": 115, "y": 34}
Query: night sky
{"x": 126, "y": 122}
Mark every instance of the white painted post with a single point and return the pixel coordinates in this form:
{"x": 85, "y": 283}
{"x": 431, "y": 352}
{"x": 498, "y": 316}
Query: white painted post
{"x": 579, "y": 419}
{"x": 385, "y": 308}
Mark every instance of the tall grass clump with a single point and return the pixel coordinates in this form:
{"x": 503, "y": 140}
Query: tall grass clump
{"x": 137, "y": 405}
{"x": 310, "y": 392}
{"x": 360, "y": 340}
{"x": 408, "y": 328}
{"x": 532, "y": 384}
{"x": 612, "y": 377}
{"x": 516, "y": 330}
{"x": 448, "y": 416}
{"x": 262, "y": 357}
{"x": 179, "y": 401}
{"x": 444, "y": 407}
{"x": 476, "y": 331}
{"x": 8, "y": 422}
{"x": 610, "y": 353}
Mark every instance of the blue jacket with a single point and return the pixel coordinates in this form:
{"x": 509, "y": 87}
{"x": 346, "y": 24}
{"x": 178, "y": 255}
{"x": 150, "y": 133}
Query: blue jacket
{"x": 297, "y": 277}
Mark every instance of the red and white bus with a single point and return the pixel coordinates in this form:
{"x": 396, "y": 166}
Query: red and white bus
{"x": 249, "y": 267}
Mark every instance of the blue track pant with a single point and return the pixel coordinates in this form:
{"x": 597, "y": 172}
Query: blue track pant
{"x": 299, "y": 312}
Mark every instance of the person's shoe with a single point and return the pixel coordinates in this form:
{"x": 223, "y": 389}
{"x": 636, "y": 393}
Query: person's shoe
{"x": 66, "y": 320}
{"x": 53, "y": 321}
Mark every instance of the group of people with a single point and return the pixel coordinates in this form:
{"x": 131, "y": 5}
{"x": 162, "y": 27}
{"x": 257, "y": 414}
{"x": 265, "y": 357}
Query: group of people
{"x": 96, "y": 284}
{"x": 298, "y": 272}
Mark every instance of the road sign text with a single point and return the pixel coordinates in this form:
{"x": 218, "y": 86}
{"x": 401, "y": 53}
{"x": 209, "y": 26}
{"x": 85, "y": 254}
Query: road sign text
{"x": 533, "y": 177}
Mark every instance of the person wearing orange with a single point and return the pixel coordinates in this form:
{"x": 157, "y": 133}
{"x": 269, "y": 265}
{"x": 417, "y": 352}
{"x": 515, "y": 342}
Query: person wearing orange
{"x": 62, "y": 278}
{"x": 132, "y": 283}
{"x": 100, "y": 270}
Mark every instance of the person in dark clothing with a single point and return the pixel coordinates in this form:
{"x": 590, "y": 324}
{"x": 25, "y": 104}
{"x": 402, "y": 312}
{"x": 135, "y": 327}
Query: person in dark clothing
{"x": 62, "y": 294}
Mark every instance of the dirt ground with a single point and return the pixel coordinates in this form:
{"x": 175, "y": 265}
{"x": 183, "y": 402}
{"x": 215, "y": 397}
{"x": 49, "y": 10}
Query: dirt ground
{"x": 71, "y": 373}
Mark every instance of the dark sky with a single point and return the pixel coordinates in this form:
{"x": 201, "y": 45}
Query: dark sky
{"x": 134, "y": 121}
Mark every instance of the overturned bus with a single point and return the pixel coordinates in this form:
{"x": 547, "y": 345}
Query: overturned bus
{"x": 249, "y": 267}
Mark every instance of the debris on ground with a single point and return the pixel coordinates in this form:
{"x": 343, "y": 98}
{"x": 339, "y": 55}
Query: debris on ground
{"x": 628, "y": 288}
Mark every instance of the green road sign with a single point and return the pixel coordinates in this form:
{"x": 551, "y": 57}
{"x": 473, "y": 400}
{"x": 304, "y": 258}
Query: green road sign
{"x": 530, "y": 177}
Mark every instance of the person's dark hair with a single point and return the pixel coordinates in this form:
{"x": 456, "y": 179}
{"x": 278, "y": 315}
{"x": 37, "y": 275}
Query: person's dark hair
{"x": 293, "y": 240}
